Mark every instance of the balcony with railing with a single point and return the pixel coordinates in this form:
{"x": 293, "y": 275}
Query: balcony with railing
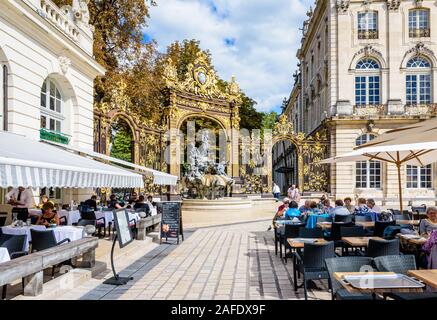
{"x": 419, "y": 32}
{"x": 367, "y": 34}
{"x": 344, "y": 109}
{"x": 53, "y": 13}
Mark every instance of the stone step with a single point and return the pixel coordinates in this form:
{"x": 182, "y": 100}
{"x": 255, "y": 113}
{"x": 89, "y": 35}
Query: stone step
{"x": 61, "y": 285}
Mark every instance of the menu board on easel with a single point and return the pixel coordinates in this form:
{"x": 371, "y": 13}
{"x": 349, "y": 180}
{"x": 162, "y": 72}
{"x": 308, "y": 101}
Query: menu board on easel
{"x": 171, "y": 220}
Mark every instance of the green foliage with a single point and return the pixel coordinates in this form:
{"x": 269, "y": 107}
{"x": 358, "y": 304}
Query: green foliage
{"x": 121, "y": 139}
{"x": 269, "y": 120}
{"x": 249, "y": 118}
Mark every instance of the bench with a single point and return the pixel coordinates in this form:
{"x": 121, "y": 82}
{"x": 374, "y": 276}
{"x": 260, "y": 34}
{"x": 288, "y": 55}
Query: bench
{"x": 30, "y": 268}
{"x": 144, "y": 223}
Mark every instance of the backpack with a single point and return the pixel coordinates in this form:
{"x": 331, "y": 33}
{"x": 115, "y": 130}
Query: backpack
{"x": 391, "y": 231}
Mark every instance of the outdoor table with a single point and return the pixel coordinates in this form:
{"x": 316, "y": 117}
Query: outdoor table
{"x": 427, "y": 276}
{"x": 299, "y": 243}
{"x": 72, "y": 216}
{"x": 4, "y": 255}
{"x": 410, "y": 222}
{"x": 365, "y": 224}
{"x": 340, "y": 277}
{"x": 413, "y": 239}
{"x": 325, "y": 225}
{"x": 61, "y": 232}
{"x": 359, "y": 241}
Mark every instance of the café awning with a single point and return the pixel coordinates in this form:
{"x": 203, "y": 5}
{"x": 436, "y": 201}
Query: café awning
{"x": 29, "y": 163}
{"x": 159, "y": 177}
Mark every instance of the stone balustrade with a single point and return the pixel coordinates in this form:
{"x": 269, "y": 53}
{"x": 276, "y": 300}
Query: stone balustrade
{"x": 393, "y": 108}
{"x": 52, "y": 13}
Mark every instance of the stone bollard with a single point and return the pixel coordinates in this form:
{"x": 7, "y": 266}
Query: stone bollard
{"x": 141, "y": 229}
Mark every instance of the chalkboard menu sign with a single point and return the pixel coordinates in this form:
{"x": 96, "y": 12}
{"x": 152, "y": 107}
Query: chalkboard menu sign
{"x": 171, "y": 220}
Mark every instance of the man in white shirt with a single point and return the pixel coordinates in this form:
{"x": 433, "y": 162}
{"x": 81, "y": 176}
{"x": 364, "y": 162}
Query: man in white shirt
{"x": 20, "y": 198}
{"x": 340, "y": 209}
{"x": 276, "y": 191}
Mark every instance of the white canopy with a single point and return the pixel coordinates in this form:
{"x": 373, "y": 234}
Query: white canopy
{"x": 29, "y": 163}
{"x": 416, "y": 154}
{"x": 159, "y": 177}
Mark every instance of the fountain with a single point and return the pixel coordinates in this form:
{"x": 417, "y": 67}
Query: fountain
{"x": 207, "y": 183}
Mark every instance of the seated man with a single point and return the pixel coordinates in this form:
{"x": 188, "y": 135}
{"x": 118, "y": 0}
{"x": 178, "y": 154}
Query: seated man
{"x": 340, "y": 209}
{"x": 327, "y": 208}
{"x": 142, "y": 204}
{"x": 306, "y": 207}
{"x": 373, "y": 207}
{"x": 91, "y": 202}
{"x": 113, "y": 202}
{"x": 364, "y": 210}
{"x": 348, "y": 204}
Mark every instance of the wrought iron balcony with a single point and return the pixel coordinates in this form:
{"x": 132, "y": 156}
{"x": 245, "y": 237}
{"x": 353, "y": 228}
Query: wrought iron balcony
{"x": 50, "y": 135}
{"x": 419, "y": 32}
{"x": 367, "y": 34}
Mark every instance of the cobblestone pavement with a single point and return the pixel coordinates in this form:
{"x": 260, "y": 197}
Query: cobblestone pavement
{"x": 235, "y": 261}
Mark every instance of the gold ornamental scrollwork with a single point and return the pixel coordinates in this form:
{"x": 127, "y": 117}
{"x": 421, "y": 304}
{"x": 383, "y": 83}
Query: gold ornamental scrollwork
{"x": 283, "y": 126}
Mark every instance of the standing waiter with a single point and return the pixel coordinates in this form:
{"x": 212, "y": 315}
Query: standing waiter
{"x": 21, "y": 200}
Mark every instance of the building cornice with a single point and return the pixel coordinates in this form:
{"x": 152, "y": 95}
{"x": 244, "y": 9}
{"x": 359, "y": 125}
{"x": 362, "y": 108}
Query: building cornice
{"x": 38, "y": 24}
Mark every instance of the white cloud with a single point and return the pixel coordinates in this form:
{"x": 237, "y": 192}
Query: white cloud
{"x": 265, "y": 35}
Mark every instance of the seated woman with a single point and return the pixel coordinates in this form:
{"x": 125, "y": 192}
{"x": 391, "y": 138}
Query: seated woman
{"x": 45, "y": 199}
{"x": 48, "y": 216}
{"x": 428, "y": 225}
{"x": 292, "y": 211}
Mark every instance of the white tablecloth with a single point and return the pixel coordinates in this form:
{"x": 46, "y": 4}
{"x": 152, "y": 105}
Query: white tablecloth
{"x": 109, "y": 216}
{"x": 4, "y": 255}
{"x": 61, "y": 232}
{"x": 72, "y": 216}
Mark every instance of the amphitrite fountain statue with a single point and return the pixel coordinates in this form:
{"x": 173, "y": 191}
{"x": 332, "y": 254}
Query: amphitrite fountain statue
{"x": 204, "y": 178}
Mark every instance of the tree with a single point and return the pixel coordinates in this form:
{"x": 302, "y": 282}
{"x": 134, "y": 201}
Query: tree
{"x": 121, "y": 141}
{"x": 269, "y": 120}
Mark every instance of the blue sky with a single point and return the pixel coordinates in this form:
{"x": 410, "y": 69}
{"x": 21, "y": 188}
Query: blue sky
{"x": 255, "y": 40}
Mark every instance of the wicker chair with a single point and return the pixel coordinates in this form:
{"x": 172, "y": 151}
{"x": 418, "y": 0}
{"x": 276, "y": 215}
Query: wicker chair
{"x": 310, "y": 233}
{"x": 311, "y": 263}
{"x": 290, "y": 231}
{"x": 380, "y": 227}
{"x": 344, "y": 219}
{"x": 346, "y": 264}
{"x": 395, "y": 263}
{"x": 377, "y": 248}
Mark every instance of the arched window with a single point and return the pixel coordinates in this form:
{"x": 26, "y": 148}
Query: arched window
{"x": 51, "y": 106}
{"x": 368, "y": 173}
{"x": 367, "y": 82}
{"x": 418, "y": 81}
{"x": 418, "y": 23}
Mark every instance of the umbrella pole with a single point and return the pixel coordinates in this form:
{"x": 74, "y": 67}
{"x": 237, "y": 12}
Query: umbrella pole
{"x": 398, "y": 165}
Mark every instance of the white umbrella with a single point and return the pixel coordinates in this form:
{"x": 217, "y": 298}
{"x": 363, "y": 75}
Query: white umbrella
{"x": 416, "y": 154}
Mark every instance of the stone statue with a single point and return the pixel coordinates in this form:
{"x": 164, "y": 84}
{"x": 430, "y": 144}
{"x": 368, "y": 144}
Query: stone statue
{"x": 81, "y": 12}
{"x": 205, "y": 176}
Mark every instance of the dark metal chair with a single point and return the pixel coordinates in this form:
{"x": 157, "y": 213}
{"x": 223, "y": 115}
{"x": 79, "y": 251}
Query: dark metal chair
{"x": 380, "y": 227}
{"x": 310, "y": 233}
{"x": 45, "y": 239}
{"x": 395, "y": 263}
{"x": 311, "y": 263}
{"x": 346, "y": 264}
{"x": 290, "y": 231}
{"x": 354, "y": 231}
{"x": 99, "y": 223}
{"x": 16, "y": 245}
{"x": 377, "y": 248}
{"x": 344, "y": 219}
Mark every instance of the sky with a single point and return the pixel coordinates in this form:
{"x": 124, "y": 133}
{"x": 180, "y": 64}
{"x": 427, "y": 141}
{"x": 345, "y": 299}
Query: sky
{"x": 255, "y": 40}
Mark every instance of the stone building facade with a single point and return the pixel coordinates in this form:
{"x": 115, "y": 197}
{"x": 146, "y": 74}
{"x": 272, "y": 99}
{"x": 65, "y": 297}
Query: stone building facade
{"x": 366, "y": 67}
{"x": 47, "y": 73}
